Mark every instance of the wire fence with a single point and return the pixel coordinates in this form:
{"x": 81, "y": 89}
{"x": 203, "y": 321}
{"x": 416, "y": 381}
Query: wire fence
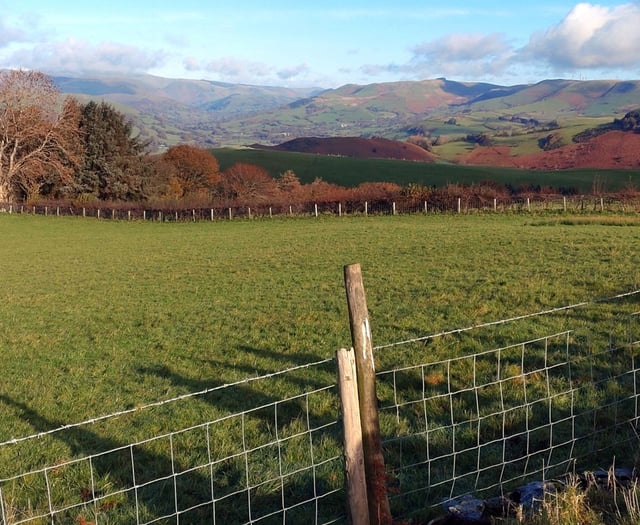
{"x": 455, "y": 417}
{"x": 447, "y": 204}
{"x": 484, "y": 422}
{"x": 277, "y": 462}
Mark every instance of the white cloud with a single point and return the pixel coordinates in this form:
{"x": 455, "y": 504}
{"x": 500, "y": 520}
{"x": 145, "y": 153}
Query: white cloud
{"x": 462, "y": 48}
{"x": 78, "y": 56}
{"x": 293, "y": 72}
{"x": 590, "y": 36}
{"x": 467, "y": 55}
{"x": 191, "y": 64}
{"x": 9, "y": 34}
{"x": 238, "y": 70}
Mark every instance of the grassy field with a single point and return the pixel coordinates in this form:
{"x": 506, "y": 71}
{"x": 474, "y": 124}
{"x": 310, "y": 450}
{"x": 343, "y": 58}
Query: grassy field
{"x": 100, "y": 316}
{"x": 351, "y": 172}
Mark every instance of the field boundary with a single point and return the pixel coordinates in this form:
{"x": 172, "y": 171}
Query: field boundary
{"x": 456, "y": 205}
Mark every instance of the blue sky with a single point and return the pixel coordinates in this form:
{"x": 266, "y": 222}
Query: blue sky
{"x": 326, "y": 43}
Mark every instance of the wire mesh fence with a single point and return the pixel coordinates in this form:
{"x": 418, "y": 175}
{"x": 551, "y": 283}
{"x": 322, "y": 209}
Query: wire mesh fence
{"x": 455, "y": 416}
{"x": 279, "y": 462}
{"x": 484, "y": 422}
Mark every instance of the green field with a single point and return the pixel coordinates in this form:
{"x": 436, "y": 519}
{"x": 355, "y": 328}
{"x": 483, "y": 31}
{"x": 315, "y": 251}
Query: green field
{"x": 101, "y": 316}
{"x": 87, "y": 304}
{"x": 351, "y": 172}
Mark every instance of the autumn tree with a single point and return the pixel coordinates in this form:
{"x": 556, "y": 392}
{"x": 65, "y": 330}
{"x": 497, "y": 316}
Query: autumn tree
{"x": 39, "y": 141}
{"x": 248, "y": 184}
{"x": 195, "y": 170}
{"x": 114, "y": 166}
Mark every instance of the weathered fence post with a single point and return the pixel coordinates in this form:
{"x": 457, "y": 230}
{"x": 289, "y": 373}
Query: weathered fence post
{"x": 378, "y": 501}
{"x": 366, "y": 208}
{"x": 353, "y": 453}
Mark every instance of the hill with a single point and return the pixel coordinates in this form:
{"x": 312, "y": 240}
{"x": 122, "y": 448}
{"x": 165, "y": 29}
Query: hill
{"x": 355, "y": 147}
{"x": 452, "y": 116}
{"x": 611, "y": 150}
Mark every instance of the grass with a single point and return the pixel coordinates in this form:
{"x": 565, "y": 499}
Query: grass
{"x": 350, "y": 172}
{"x": 100, "y": 316}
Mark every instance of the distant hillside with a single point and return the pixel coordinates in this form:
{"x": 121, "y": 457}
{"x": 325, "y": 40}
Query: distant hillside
{"x": 170, "y": 111}
{"x": 355, "y": 147}
{"x": 454, "y": 117}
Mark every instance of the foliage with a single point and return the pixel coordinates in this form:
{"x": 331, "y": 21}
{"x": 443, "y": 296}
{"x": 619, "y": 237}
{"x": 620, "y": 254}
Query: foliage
{"x": 630, "y": 122}
{"x": 191, "y": 170}
{"x": 248, "y": 184}
{"x": 39, "y": 143}
{"x": 113, "y": 167}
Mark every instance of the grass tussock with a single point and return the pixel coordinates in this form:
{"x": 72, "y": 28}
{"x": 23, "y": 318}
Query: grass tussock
{"x": 578, "y": 503}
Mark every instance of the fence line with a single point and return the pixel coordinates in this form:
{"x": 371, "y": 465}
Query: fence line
{"x": 467, "y": 422}
{"x": 230, "y": 211}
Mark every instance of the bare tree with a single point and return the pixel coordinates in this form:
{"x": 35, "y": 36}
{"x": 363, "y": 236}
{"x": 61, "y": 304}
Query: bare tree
{"x": 39, "y": 136}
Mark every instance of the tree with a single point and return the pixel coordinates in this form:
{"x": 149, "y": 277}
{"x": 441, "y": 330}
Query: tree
{"x": 39, "y": 141}
{"x": 196, "y": 170}
{"x": 248, "y": 184}
{"x": 114, "y": 166}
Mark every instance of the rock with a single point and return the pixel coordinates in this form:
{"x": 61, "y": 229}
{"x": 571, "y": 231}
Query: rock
{"x": 466, "y": 510}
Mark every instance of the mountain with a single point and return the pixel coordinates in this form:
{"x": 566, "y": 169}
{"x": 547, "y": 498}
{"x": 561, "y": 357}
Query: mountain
{"x": 455, "y": 117}
{"x": 169, "y": 111}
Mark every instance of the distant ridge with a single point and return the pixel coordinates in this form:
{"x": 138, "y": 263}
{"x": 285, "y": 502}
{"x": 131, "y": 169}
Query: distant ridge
{"x": 216, "y": 114}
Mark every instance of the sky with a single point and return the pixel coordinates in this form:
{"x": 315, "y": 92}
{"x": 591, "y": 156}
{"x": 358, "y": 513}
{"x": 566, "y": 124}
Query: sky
{"x": 325, "y": 43}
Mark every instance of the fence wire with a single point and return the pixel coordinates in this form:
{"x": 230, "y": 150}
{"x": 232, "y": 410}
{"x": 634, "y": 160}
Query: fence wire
{"x": 279, "y": 462}
{"x": 485, "y": 422}
{"x": 453, "y": 421}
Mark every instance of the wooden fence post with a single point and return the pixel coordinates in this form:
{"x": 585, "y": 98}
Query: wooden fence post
{"x": 378, "y": 501}
{"x": 353, "y": 453}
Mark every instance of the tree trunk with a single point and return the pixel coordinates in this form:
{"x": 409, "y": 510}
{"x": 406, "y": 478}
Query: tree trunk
{"x": 4, "y": 192}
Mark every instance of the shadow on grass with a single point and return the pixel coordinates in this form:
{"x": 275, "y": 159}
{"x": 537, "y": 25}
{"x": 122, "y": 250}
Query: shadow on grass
{"x": 232, "y": 469}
